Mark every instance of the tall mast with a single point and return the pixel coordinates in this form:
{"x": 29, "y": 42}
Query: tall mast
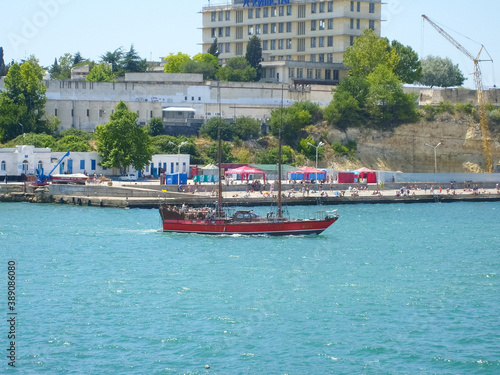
{"x": 219, "y": 154}
{"x": 279, "y": 153}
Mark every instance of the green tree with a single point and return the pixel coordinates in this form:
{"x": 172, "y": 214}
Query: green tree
{"x": 211, "y": 129}
{"x": 132, "y": 62}
{"x": 174, "y": 63}
{"x": 270, "y": 155}
{"x": 440, "y": 72}
{"x": 212, "y": 153}
{"x": 409, "y": 67}
{"x": 343, "y": 111}
{"x": 246, "y": 128}
{"x": 237, "y": 69}
{"x": 63, "y": 70}
{"x": 22, "y": 103}
{"x": 121, "y": 142}
{"x": 77, "y": 133}
{"x": 202, "y": 63}
{"x": 38, "y": 140}
{"x": 292, "y": 120}
{"x": 214, "y": 49}
{"x": 72, "y": 143}
{"x": 155, "y": 126}
{"x": 115, "y": 59}
{"x": 3, "y": 67}
{"x": 368, "y": 52}
{"x": 101, "y": 73}
{"x": 78, "y": 59}
{"x": 254, "y": 55}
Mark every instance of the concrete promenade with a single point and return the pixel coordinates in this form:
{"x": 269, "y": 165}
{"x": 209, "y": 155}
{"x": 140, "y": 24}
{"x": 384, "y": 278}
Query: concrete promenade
{"x": 149, "y": 194}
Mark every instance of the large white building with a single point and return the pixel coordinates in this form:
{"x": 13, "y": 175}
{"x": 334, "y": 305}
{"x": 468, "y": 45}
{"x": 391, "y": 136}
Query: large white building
{"x": 303, "y": 41}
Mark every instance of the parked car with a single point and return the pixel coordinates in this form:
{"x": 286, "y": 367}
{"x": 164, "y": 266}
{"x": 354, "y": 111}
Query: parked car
{"x": 128, "y": 177}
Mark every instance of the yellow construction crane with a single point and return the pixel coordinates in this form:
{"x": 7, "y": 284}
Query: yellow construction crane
{"x": 481, "y": 99}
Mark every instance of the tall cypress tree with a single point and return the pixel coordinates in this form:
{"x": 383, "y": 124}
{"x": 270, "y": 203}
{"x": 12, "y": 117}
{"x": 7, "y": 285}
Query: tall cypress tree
{"x": 3, "y": 68}
{"x": 254, "y": 54}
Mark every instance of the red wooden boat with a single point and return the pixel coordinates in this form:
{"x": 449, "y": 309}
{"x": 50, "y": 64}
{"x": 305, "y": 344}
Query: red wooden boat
{"x": 218, "y": 221}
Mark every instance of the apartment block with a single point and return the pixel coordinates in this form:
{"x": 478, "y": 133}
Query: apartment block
{"x": 303, "y": 41}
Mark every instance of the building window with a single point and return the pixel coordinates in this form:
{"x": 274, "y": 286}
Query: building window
{"x": 250, "y": 29}
{"x": 281, "y": 11}
{"x": 321, "y": 24}
{"x": 72, "y": 112}
{"x": 265, "y": 12}
{"x": 82, "y": 164}
{"x": 214, "y": 32}
{"x": 289, "y": 57}
{"x": 318, "y": 74}
{"x": 239, "y": 16}
{"x": 328, "y": 74}
{"x": 265, "y": 28}
{"x": 88, "y": 112}
{"x": 352, "y": 23}
{"x": 336, "y": 75}
{"x": 322, "y": 7}
{"x": 352, "y": 6}
{"x": 301, "y": 45}
{"x": 321, "y": 41}
{"x": 288, "y": 27}
{"x": 288, "y": 10}
{"x": 228, "y": 47}
{"x": 330, "y": 24}
{"x": 250, "y": 13}
{"x": 329, "y": 57}
{"x": 330, "y": 41}
{"x": 239, "y": 32}
{"x": 291, "y": 72}
{"x": 309, "y": 73}
{"x": 300, "y": 73}
{"x": 92, "y": 164}
{"x": 358, "y": 7}
{"x": 289, "y": 44}
{"x": 281, "y": 27}
{"x": 312, "y": 58}
{"x": 221, "y": 32}
{"x": 371, "y": 24}
{"x": 221, "y": 16}
{"x": 313, "y": 42}
{"x": 351, "y": 41}
{"x": 330, "y": 6}
{"x": 321, "y": 57}
{"x": 25, "y": 166}
{"x": 239, "y": 49}
{"x": 273, "y": 45}
{"x": 55, "y": 112}
{"x": 281, "y": 44}
{"x": 265, "y": 45}
{"x": 358, "y": 22}
{"x": 372, "y": 8}
{"x": 257, "y": 29}
{"x": 313, "y": 7}
{"x": 273, "y": 11}
{"x": 273, "y": 28}
{"x": 214, "y": 17}
{"x": 313, "y": 25}
{"x": 228, "y": 15}
{"x": 257, "y": 13}
{"x": 302, "y": 11}
{"x": 301, "y": 28}
{"x": 228, "y": 31}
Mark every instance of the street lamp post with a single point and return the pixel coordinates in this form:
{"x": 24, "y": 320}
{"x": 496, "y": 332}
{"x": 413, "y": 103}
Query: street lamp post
{"x": 316, "y": 147}
{"x": 435, "y": 156}
{"x": 178, "y": 159}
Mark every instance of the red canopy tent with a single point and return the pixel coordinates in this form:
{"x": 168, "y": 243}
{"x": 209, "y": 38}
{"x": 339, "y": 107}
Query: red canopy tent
{"x": 369, "y": 174}
{"x": 245, "y": 171}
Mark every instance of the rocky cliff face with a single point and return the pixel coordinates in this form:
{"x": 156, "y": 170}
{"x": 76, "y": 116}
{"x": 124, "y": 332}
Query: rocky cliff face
{"x": 403, "y": 148}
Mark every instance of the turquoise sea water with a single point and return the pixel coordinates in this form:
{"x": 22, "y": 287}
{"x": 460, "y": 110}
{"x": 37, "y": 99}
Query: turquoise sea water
{"x": 388, "y": 289}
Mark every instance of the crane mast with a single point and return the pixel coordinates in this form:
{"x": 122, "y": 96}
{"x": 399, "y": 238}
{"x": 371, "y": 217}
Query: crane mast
{"x": 481, "y": 99}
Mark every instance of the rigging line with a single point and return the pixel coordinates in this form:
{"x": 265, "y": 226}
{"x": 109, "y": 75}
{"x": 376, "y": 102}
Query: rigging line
{"x": 465, "y": 36}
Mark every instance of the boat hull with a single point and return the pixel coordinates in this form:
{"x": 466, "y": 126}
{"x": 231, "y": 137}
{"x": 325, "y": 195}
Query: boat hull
{"x": 272, "y": 228}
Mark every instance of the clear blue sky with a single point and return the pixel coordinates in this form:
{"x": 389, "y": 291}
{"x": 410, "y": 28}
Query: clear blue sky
{"x": 50, "y": 28}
